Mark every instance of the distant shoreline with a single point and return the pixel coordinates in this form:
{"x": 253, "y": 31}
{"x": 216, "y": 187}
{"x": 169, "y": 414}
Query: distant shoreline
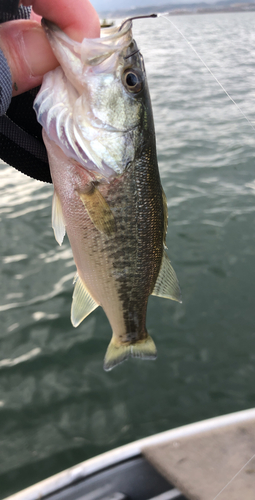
{"x": 200, "y": 8}
{"x": 210, "y": 10}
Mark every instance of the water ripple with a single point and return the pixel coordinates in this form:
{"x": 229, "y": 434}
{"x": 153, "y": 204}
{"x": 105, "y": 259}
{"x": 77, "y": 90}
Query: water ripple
{"x": 20, "y": 359}
{"x": 57, "y": 290}
{"x": 14, "y": 258}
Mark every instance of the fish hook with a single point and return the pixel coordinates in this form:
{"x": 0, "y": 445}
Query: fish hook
{"x": 136, "y": 17}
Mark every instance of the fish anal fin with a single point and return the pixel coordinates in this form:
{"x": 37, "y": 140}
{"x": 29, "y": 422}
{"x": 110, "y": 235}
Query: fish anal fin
{"x": 117, "y": 353}
{"x": 58, "y": 223}
{"x": 167, "y": 284}
{"x": 83, "y": 304}
{"x": 98, "y": 210}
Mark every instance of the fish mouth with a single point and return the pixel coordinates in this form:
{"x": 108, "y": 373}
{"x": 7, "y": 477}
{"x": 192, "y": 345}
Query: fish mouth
{"x": 113, "y": 33}
{"x": 116, "y": 31}
{"x": 79, "y": 101}
{"x": 92, "y": 51}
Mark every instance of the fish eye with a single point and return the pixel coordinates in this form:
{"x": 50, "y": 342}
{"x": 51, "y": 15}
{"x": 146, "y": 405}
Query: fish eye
{"x": 133, "y": 80}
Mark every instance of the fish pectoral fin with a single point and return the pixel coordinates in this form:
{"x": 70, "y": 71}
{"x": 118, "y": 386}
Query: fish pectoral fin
{"x": 83, "y": 304}
{"x": 167, "y": 284}
{"x": 116, "y": 354}
{"x": 98, "y": 210}
{"x": 58, "y": 223}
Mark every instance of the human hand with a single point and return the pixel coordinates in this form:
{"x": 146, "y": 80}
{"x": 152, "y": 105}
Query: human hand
{"x": 25, "y": 44}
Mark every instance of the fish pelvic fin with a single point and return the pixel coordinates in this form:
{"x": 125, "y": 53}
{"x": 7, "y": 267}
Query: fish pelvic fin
{"x": 58, "y": 223}
{"x": 117, "y": 353}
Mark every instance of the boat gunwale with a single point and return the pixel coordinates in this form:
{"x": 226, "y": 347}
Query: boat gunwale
{"x": 110, "y": 458}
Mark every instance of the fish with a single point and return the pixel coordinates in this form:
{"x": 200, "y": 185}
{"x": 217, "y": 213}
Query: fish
{"x": 98, "y": 129}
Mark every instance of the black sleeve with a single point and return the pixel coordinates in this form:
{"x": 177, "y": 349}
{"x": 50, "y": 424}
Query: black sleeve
{"x": 9, "y": 7}
{"x": 9, "y": 11}
{"x": 21, "y": 144}
{"x": 5, "y": 85}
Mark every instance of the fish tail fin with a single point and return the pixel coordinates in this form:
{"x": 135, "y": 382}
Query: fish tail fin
{"x": 116, "y": 354}
{"x": 144, "y": 349}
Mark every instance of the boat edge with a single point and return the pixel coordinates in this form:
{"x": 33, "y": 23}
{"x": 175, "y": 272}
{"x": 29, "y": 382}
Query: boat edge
{"x": 92, "y": 465}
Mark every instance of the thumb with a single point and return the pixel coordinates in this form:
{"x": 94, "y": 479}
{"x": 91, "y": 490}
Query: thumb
{"x": 28, "y": 53}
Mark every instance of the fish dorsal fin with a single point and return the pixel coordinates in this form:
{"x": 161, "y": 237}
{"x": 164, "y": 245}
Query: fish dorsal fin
{"x": 98, "y": 210}
{"x": 58, "y": 223}
{"x": 83, "y": 304}
{"x": 167, "y": 283}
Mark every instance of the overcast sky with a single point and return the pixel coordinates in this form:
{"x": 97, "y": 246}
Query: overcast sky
{"x": 108, "y": 5}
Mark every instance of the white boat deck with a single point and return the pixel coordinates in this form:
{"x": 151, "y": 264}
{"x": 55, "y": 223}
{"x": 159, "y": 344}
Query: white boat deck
{"x": 199, "y": 459}
{"x": 218, "y": 463}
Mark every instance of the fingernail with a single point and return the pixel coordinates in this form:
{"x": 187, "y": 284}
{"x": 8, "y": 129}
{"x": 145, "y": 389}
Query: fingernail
{"x": 37, "y": 52}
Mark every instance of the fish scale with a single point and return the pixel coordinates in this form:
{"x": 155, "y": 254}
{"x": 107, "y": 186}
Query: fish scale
{"x": 131, "y": 249}
{"x": 107, "y": 197}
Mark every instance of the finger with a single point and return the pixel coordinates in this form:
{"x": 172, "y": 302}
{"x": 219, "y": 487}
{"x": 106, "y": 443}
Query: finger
{"x": 28, "y": 53}
{"x": 35, "y": 17}
{"x": 26, "y": 47}
{"x": 77, "y": 18}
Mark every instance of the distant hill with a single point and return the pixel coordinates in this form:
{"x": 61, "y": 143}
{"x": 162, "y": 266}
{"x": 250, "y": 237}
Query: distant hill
{"x": 182, "y": 8}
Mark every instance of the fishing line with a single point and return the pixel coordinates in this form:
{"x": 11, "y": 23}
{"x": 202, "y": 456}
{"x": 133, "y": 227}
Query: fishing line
{"x": 252, "y": 126}
{"x": 210, "y": 71}
{"x": 234, "y": 477}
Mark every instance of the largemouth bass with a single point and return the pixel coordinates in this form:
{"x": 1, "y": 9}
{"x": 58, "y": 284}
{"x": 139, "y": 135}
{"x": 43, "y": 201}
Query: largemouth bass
{"x": 98, "y": 129}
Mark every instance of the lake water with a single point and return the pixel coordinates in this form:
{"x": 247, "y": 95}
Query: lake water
{"x": 57, "y": 405}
